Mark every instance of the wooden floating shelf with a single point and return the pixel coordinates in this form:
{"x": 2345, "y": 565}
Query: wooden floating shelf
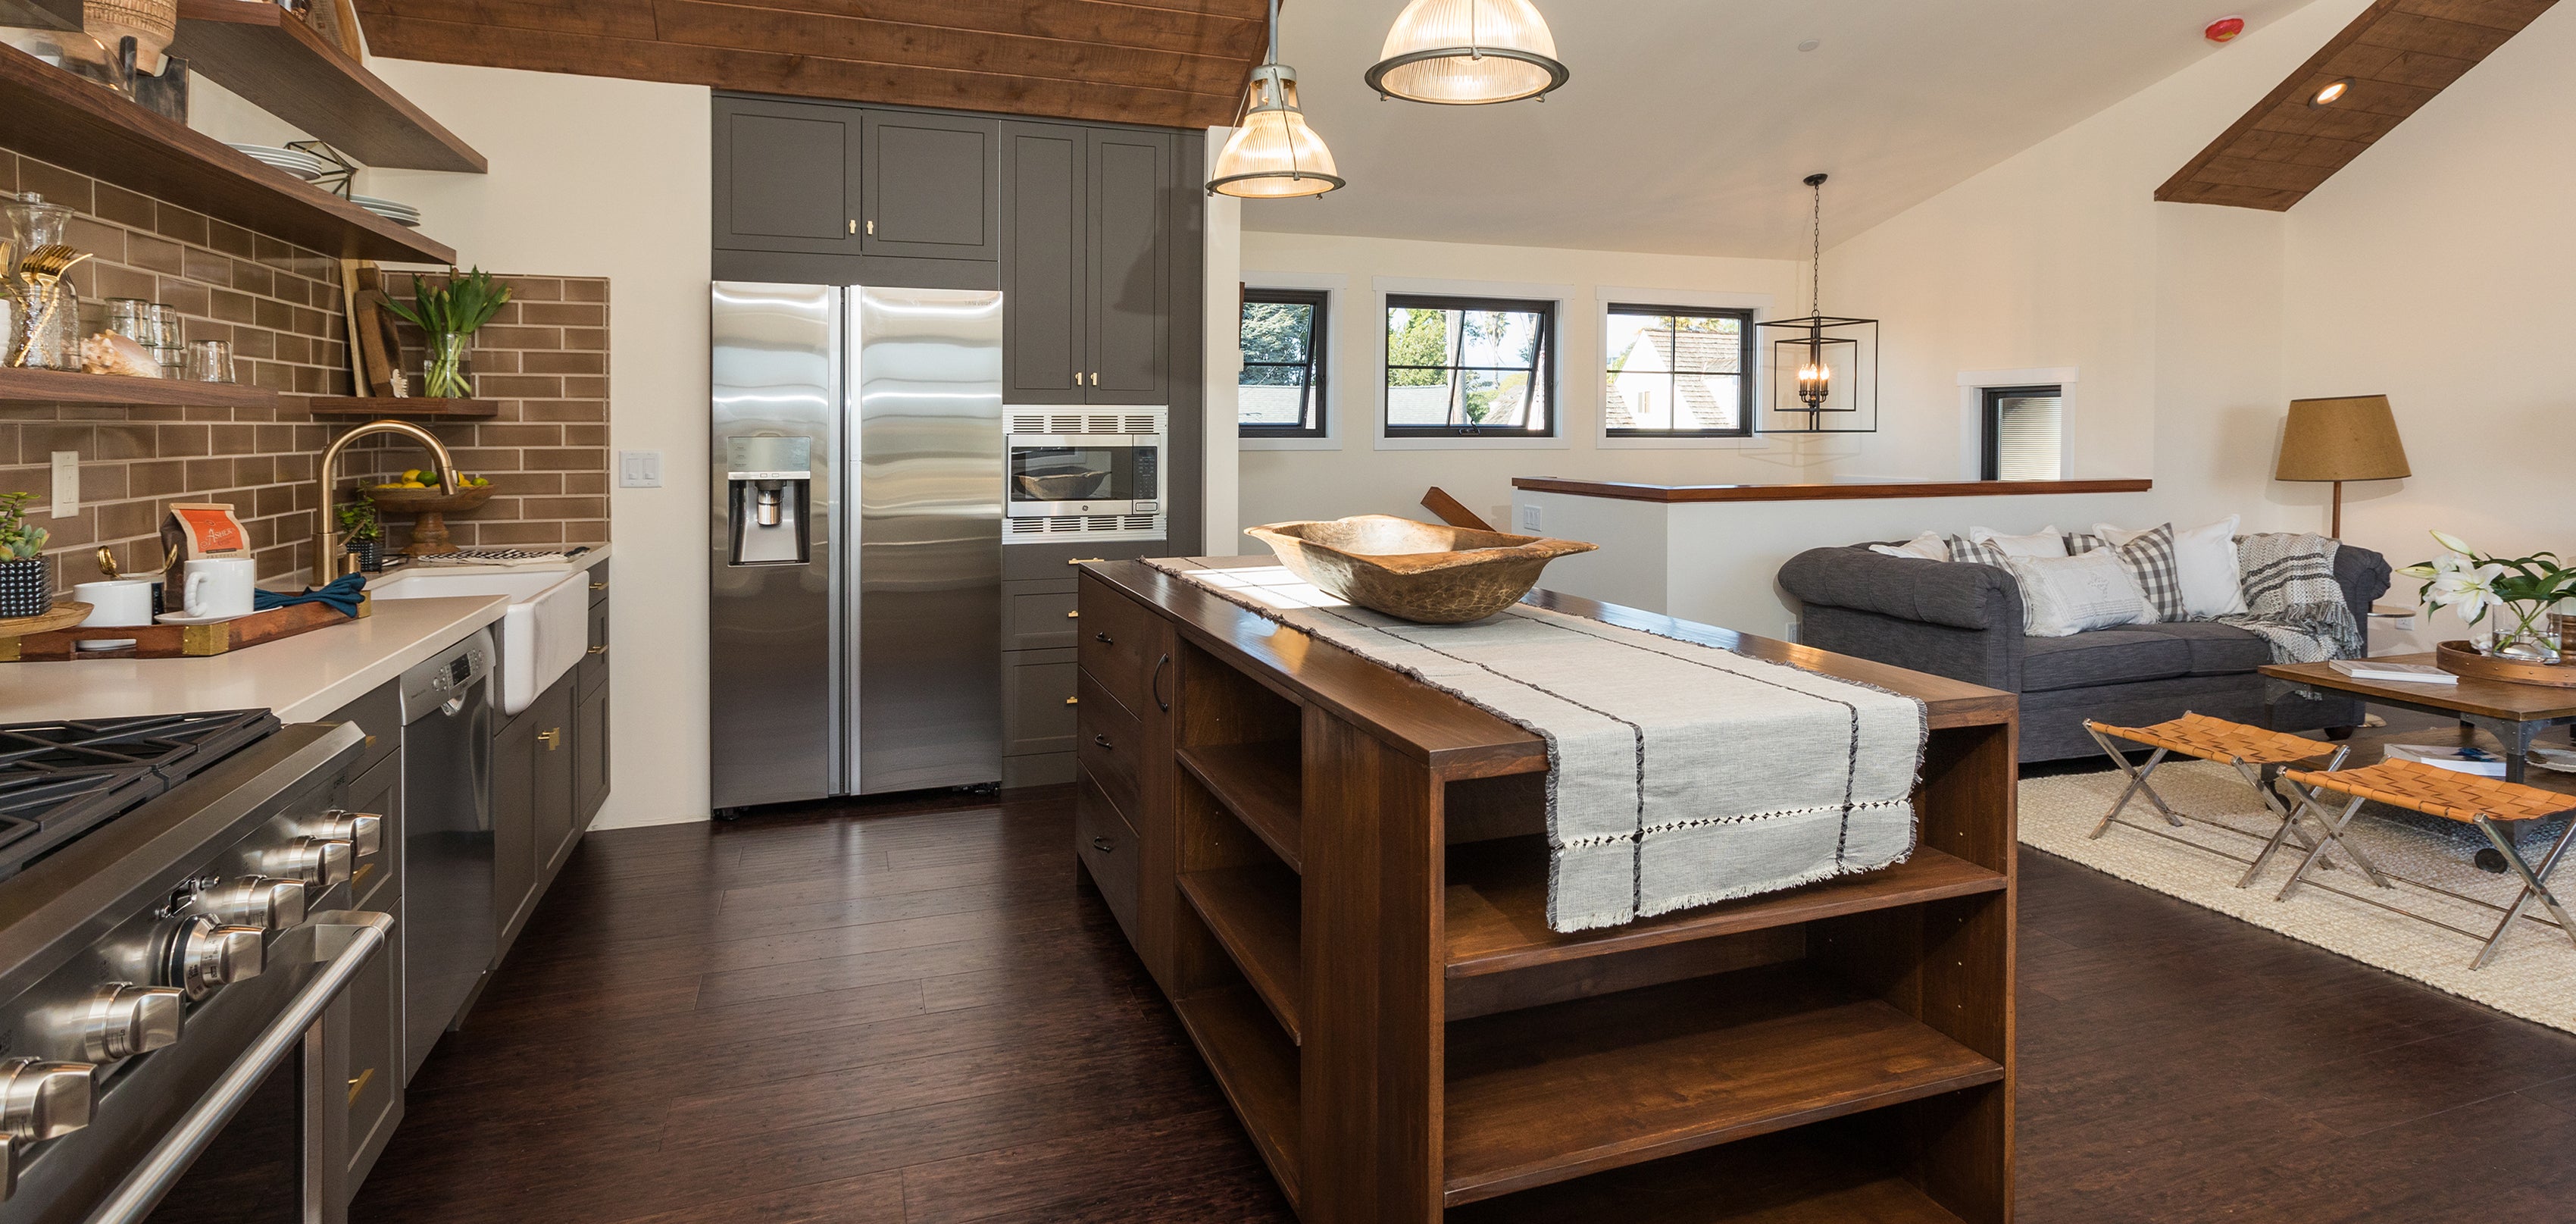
{"x": 1260, "y": 784}
{"x": 1254, "y": 914}
{"x": 20, "y": 386}
{"x": 1256, "y": 1069}
{"x": 1551, "y": 1093}
{"x": 1808, "y": 1176}
{"x": 406, "y": 408}
{"x": 287, "y": 68}
{"x": 53, "y": 116}
{"x": 1497, "y": 906}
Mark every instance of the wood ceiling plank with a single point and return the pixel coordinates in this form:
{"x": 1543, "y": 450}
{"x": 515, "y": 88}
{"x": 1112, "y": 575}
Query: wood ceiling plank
{"x": 605, "y": 18}
{"x": 1235, "y": 35}
{"x": 2400, "y": 55}
{"x": 745, "y": 28}
{"x": 794, "y": 75}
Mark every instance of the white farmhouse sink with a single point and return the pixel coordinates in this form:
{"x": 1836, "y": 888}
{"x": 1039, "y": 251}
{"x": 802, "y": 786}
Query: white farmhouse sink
{"x": 542, "y": 634}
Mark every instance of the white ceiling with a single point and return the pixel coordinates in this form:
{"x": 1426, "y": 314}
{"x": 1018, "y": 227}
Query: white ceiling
{"x": 1688, "y": 124}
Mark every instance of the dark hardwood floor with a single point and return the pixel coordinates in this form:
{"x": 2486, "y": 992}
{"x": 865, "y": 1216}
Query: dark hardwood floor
{"x": 914, "y": 1012}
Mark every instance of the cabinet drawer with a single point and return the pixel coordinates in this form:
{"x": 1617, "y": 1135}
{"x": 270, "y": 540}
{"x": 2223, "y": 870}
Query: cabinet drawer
{"x": 1109, "y": 743}
{"x": 375, "y": 880}
{"x": 599, "y": 582}
{"x": 379, "y": 714}
{"x": 1107, "y": 844}
{"x": 1037, "y": 702}
{"x": 375, "y": 1055}
{"x": 1039, "y": 620}
{"x": 1119, "y": 645}
{"x": 594, "y": 659}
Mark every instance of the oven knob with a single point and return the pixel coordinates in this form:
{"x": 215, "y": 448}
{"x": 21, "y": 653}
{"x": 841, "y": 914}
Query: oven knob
{"x": 364, "y": 831}
{"x": 204, "y": 956}
{"x": 43, "y": 1100}
{"x": 262, "y": 901}
{"x": 125, "y": 1020}
{"x": 321, "y": 862}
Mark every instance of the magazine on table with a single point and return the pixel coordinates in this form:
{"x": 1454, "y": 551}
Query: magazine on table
{"x": 2468, "y": 760}
{"x": 2404, "y": 673}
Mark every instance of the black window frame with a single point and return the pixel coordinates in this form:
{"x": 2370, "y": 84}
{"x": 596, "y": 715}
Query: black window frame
{"x": 1543, "y": 366}
{"x": 1318, "y": 363}
{"x": 1746, "y": 363}
{"x": 1990, "y": 459}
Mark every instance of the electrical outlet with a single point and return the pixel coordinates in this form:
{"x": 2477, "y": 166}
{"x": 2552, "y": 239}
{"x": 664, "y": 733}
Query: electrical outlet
{"x": 639, "y": 469}
{"x": 67, "y": 499}
{"x": 1529, "y": 518}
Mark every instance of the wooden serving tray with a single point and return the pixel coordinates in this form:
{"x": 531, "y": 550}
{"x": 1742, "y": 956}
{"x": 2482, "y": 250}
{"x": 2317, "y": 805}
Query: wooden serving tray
{"x": 2462, "y": 659}
{"x": 63, "y": 615}
{"x": 175, "y": 641}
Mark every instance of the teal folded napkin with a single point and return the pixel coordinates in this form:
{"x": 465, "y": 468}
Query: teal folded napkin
{"x": 342, "y": 594}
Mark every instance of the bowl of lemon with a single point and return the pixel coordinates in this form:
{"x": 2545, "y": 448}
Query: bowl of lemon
{"x": 418, "y": 493}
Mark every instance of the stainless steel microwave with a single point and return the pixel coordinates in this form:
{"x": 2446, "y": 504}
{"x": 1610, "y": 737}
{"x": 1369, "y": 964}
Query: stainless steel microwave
{"x": 1094, "y": 463}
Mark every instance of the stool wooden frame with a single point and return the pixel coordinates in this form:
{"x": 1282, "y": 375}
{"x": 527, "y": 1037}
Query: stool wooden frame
{"x": 2484, "y": 803}
{"x": 2256, "y": 754}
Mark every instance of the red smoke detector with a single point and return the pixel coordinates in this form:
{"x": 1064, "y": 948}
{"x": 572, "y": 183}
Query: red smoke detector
{"x": 2224, "y": 30}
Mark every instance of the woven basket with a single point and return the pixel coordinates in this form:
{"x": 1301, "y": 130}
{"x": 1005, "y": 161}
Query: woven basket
{"x": 151, "y": 23}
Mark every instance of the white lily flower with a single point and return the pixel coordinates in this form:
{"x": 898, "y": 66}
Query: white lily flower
{"x": 2470, "y": 591}
{"x": 2454, "y": 543}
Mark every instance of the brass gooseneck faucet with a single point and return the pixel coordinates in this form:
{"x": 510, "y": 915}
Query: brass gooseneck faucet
{"x": 331, "y": 555}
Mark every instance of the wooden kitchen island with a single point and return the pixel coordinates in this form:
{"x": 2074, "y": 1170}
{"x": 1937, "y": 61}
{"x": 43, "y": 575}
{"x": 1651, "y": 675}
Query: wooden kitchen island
{"x": 1338, "y": 875}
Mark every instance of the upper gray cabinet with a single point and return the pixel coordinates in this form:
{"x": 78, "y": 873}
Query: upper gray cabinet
{"x": 931, "y": 186}
{"x": 787, "y": 176}
{"x": 1086, "y": 264}
{"x": 827, "y": 178}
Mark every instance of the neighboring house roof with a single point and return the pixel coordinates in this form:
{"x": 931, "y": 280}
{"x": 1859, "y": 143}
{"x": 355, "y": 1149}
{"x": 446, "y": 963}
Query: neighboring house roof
{"x": 1714, "y": 360}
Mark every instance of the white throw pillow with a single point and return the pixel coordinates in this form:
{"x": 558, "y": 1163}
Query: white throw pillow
{"x": 1931, "y": 546}
{"x": 2063, "y": 596}
{"x": 2046, "y": 542}
{"x": 2206, "y": 556}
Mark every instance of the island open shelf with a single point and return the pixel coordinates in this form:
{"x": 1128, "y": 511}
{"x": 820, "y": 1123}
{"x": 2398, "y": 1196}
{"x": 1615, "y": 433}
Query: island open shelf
{"x": 1341, "y": 881}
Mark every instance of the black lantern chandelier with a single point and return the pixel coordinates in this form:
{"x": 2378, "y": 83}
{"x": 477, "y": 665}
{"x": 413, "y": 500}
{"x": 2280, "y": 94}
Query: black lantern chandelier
{"x": 1824, "y": 371}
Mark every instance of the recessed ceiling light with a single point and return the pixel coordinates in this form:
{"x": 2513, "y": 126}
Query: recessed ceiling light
{"x": 1809, "y": 45}
{"x": 2329, "y": 95}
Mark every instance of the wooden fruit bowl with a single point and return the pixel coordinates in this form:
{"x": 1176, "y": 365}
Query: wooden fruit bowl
{"x": 2463, "y": 659}
{"x": 432, "y": 500}
{"x": 1415, "y": 571}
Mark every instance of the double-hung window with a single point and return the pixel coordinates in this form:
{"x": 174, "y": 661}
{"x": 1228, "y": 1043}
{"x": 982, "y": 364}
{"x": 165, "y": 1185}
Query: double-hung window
{"x": 1280, "y": 393}
{"x": 1470, "y": 367}
{"x": 1678, "y": 372}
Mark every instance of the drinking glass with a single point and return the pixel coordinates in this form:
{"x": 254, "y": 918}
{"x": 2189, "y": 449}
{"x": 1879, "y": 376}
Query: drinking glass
{"x": 134, "y": 319}
{"x": 210, "y": 361}
{"x": 173, "y": 351}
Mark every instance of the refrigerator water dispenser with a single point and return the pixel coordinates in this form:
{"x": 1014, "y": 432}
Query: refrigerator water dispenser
{"x": 769, "y": 489}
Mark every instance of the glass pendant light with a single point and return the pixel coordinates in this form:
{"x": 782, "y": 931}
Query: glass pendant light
{"x": 1467, "y": 53}
{"x": 1273, "y": 155}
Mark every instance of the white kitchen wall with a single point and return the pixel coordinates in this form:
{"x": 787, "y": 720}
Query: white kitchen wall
{"x": 599, "y": 177}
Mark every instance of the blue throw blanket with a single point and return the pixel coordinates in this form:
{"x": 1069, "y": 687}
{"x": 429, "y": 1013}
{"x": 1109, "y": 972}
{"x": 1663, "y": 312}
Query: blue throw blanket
{"x": 342, "y": 594}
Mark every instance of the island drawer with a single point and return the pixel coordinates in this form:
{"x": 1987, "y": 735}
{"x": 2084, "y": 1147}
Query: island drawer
{"x": 1108, "y": 741}
{"x": 1119, "y": 643}
{"x": 1108, "y": 847}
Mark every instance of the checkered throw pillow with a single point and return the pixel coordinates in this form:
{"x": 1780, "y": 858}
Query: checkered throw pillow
{"x": 2079, "y": 543}
{"x": 1976, "y": 552}
{"x": 2150, "y": 559}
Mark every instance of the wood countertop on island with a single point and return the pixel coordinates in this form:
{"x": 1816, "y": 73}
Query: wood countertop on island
{"x": 1337, "y": 874}
{"x": 1842, "y": 491}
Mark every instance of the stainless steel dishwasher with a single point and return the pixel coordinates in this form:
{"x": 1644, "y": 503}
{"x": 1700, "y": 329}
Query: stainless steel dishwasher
{"x": 447, "y": 926}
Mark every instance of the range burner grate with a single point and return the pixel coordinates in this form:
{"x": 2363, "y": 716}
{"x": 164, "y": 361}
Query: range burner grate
{"x": 61, "y": 779}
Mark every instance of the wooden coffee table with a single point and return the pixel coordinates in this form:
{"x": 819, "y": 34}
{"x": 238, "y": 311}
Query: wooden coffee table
{"x": 2515, "y": 714}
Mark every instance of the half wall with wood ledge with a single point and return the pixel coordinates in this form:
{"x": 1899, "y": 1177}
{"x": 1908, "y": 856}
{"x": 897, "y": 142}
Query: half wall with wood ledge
{"x": 1698, "y": 552}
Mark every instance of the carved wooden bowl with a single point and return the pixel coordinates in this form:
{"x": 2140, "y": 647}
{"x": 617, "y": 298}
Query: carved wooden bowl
{"x": 1415, "y": 571}
{"x": 1061, "y": 486}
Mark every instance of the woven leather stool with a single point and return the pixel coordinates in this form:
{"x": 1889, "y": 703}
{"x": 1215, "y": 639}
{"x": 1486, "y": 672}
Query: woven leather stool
{"x": 2256, "y": 754}
{"x": 2452, "y": 795}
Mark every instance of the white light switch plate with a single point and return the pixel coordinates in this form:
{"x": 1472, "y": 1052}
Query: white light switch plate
{"x": 639, "y": 469}
{"x": 67, "y": 499}
{"x": 1529, "y": 518}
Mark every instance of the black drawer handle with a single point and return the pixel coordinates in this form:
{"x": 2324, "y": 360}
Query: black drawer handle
{"x": 1103, "y": 741}
{"x": 1103, "y": 845}
{"x": 1104, "y": 639}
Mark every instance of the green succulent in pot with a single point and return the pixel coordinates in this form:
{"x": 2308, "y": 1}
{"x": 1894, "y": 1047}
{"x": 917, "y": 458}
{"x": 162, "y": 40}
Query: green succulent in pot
{"x": 450, "y": 314}
{"x": 20, "y": 540}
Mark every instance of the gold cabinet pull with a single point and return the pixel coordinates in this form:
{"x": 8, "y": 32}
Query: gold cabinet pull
{"x": 598, "y": 650}
{"x": 1084, "y": 560}
{"x": 358, "y": 1086}
{"x": 1073, "y": 701}
{"x": 1076, "y": 614}
{"x": 599, "y": 586}
{"x": 551, "y": 737}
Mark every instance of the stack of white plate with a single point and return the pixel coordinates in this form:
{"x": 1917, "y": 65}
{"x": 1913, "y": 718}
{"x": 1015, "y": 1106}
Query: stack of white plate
{"x": 391, "y": 210}
{"x": 297, "y": 162}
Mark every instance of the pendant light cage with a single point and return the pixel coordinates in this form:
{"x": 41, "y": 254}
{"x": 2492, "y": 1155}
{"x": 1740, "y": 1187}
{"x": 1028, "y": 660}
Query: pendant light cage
{"x": 1468, "y": 53}
{"x": 1273, "y": 154}
{"x": 1824, "y": 368}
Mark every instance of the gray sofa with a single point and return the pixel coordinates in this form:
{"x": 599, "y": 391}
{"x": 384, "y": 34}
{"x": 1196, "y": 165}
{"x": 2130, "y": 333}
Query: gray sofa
{"x": 1965, "y": 621}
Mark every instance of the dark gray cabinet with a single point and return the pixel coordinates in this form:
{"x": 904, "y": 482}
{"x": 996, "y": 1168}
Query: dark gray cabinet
{"x": 1086, "y": 264}
{"x": 590, "y": 757}
{"x": 514, "y": 824}
{"x": 932, "y": 186}
{"x": 553, "y": 807}
{"x": 788, "y": 176}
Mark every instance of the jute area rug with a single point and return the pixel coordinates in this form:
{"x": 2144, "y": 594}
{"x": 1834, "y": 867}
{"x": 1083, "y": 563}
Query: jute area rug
{"x": 2532, "y": 976}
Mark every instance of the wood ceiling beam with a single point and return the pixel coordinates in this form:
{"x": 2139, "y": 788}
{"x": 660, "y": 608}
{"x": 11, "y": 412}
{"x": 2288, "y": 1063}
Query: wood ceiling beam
{"x": 2399, "y": 55}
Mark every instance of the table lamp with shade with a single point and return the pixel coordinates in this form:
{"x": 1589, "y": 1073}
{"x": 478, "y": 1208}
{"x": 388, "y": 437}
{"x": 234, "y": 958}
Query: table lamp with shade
{"x": 2351, "y": 437}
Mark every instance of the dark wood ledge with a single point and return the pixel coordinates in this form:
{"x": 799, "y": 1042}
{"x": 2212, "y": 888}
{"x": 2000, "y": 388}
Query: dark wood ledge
{"x": 1625, "y": 491}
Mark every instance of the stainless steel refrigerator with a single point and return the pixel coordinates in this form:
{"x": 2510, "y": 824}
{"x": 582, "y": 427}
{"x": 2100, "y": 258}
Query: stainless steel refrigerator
{"x": 854, "y": 612}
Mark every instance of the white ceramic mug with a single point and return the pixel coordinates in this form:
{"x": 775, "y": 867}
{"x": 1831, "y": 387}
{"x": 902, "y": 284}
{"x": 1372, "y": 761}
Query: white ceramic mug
{"x": 120, "y": 601}
{"x": 218, "y": 586}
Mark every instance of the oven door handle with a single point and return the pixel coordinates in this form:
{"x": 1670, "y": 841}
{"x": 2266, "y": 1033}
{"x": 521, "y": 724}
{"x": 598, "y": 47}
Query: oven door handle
{"x": 343, "y": 940}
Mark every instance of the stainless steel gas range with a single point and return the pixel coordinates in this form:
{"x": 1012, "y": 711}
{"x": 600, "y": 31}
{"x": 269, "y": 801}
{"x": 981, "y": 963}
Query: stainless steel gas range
{"x": 173, "y": 940}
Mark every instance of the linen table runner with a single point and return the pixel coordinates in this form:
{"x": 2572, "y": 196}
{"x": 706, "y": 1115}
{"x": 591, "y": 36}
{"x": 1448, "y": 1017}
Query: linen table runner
{"x": 1679, "y": 774}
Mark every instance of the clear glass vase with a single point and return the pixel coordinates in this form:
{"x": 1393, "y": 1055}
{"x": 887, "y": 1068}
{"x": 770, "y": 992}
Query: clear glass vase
{"x": 2523, "y": 633}
{"x": 444, "y": 373}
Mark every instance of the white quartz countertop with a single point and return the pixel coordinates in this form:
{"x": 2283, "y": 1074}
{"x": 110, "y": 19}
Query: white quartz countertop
{"x": 300, "y": 679}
